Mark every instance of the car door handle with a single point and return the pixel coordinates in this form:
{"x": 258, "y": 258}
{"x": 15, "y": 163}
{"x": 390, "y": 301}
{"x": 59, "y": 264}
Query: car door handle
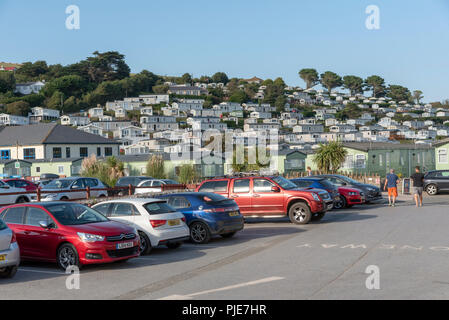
{"x": 256, "y": 195}
{"x": 234, "y": 196}
{"x": 27, "y": 232}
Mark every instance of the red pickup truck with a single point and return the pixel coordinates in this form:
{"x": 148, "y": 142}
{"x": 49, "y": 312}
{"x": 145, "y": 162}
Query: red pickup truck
{"x": 269, "y": 197}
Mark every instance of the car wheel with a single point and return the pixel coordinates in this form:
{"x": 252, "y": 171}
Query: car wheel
{"x": 68, "y": 256}
{"x": 318, "y": 216}
{"x": 432, "y": 189}
{"x": 174, "y": 245}
{"x": 228, "y": 235}
{"x": 145, "y": 243}
{"x": 299, "y": 213}
{"x": 199, "y": 233}
{"x": 342, "y": 203}
{"x": 8, "y": 272}
{"x": 21, "y": 200}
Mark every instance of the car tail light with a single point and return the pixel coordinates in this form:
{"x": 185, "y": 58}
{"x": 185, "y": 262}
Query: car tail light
{"x": 13, "y": 238}
{"x": 183, "y": 219}
{"x": 157, "y": 223}
{"x": 213, "y": 210}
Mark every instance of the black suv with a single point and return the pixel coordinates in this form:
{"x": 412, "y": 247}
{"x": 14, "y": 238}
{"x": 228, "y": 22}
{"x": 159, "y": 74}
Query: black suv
{"x": 436, "y": 181}
{"x": 372, "y": 193}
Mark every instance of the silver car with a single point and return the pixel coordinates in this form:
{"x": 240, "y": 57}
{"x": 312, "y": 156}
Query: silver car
{"x": 9, "y": 252}
{"x": 72, "y": 189}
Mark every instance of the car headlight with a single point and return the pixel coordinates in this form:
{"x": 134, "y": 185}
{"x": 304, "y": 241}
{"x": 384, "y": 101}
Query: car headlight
{"x": 86, "y": 237}
{"x": 316, "y": 197}
{"x": 353, "y": 193}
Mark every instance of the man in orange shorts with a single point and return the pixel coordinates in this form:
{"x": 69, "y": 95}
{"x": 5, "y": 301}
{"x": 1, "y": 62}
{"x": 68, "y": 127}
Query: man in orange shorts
{"x": 392, "y": 184}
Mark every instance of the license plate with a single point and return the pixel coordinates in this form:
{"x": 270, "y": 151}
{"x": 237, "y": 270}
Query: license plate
{"x": 3, "y": 257}
{"x": 124, "y": 245}
{"x": 233, "y": 214}
{"x": 175, "y": 222}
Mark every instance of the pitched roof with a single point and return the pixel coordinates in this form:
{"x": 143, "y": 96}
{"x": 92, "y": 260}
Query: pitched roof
{"x": 366, "y": 146}
{"x": 48, "y": 133}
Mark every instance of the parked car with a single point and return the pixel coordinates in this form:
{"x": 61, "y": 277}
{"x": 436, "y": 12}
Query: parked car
{"x": 7, "y": 198}
{"x": 349, "y": 197}
{"x": 269, "y": 196}
{"x": 67, "y": 189}
{"x": 21, "y": 183}
{"x": 9, "y": 252}
{"x": 436, "y": 181}
{"x": 156, "y": 222}
{"x": 69, "y": 233}
{"x": 208, "y": 214}
{"x": 130, "y": 180}
{"x": 153, "y": 185}
{"x": 319, "y": 183}
{"x": 372, "y": 193}
{"x": 46, "y": 178}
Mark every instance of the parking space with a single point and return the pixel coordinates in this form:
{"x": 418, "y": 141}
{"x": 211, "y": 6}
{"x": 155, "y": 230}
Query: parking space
{"x": 274, "y": 259}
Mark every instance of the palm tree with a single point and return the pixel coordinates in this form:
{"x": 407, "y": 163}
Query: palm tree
{"x": 329, "y": 157}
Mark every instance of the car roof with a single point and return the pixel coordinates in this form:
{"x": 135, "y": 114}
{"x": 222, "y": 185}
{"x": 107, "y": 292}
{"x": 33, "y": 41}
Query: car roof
{"x": 132, "y": 200}
{"x": 309, "y": 178}
{"x": 187, "y": 194}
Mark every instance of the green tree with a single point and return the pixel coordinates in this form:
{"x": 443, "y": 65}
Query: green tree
{"x": 160, "y": 89}
{"x": 155, "y": 167}
{"x": 187, "y": 78}
{"x": 7, "y": 81}
{"x": 18, "y": 108}
{"x": 399, "y": 93}
{"x": 331, "y": 80}
{"x": 71, "y": 85}
{"x": 188, "y": 174}
{"x": 376, "y": 84}
{"x": 330, "y": 157}
{"x": 56, "y": 101}
{"x": 220, "y": 77}
{"x": 417, "y": 96}
{"x": 310, "y": 77}
{"x": 280, "y": 103}
{"x": 239, "y": 96}
{"x": 32, "y": 71}
{"x": 106, "y": 66}
{"x": 108, "y": 171}
{"x": 354, "y": 84}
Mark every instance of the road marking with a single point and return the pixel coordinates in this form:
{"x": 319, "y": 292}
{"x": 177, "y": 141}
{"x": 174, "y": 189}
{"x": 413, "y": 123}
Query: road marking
{"x": 40, "y": 271}
{"x": 235, "y": 286}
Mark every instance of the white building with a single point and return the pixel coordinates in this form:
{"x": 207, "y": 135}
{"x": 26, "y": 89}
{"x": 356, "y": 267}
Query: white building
{"x": 29, "y": 87}
{"x": 68, "y": 120}
{"x": 12, "y": 120}
{"x": 39, "y": 114}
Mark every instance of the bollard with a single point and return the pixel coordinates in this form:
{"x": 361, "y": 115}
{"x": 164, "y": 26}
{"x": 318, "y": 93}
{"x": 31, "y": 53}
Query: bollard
{"x": 88, "y": 193}
{"x": 38, "y": 195}
{"x": 130, "y": 190}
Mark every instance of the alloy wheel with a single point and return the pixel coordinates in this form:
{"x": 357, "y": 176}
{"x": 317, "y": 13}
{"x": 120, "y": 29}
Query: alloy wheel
{"x": 299, "y": 214}
{"x": 198, "y": 232}
{"x": 432, "y": 190}
{"x": 67, "y": 257}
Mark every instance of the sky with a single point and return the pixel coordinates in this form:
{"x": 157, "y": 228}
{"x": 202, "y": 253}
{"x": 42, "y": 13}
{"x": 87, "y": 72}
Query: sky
{"x": 244, "y": 38}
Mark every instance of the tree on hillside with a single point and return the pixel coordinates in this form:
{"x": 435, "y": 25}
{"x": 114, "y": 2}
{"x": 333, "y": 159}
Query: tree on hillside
{"x": 354, "y": 84}
{"x": 350, "y": 111}
{"x": 417, "y": 96}
{"x": 376, "y": 84}
{"x": 18, "y": 108}
{"x": 160, "y": 89}
{"x": 280, "y": 103}
{"x": 239, "y": 96}
{"x": 106, "y": 66}
{"x": 279, "y": 82}
{"x": 32, "y": 71}
{"x": 330, "y": 157}
{"x": 331, "y": 80}
{"x": 7, "y": 81}
{"x": 220, "y": 77}
{"x": 186, "y": 78}
{"x": 399, "y": 93}
{"x": 72, "y": 85}
{"x": 310, "y": 77}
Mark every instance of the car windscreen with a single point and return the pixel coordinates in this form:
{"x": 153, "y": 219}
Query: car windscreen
{"x": 158, "y": 208}
{"x": 3, "y": 225}
{"x": 284, "y": 183}
{"x": 327, "y": 184}
{"x": 168, "y": 181}
{"x": 58, "y": 184}
{"x": 72, "y": 214}
{"x": 348, "y": 180}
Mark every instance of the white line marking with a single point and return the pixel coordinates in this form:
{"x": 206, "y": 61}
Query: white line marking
{"x": 40, "y": 271}
{"x": 245, "y": 284}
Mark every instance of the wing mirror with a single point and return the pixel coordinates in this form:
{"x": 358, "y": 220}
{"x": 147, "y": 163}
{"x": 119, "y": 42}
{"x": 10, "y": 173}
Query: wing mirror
{"x": 275, "y": 189}
{"x": 46, "y": 225}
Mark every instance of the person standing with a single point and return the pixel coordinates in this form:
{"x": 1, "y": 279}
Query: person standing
{"x": 392, "y": 184}
{"x": 418, "y": 184}
{"x": 309, "y": 171}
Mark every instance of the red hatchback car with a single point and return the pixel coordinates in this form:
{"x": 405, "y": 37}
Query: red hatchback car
{"x": 21, "y": 183}
{"x": 69, "y": 234}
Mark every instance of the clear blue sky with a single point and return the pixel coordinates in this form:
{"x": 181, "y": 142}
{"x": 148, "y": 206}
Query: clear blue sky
{"x": 244, "y": 38}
